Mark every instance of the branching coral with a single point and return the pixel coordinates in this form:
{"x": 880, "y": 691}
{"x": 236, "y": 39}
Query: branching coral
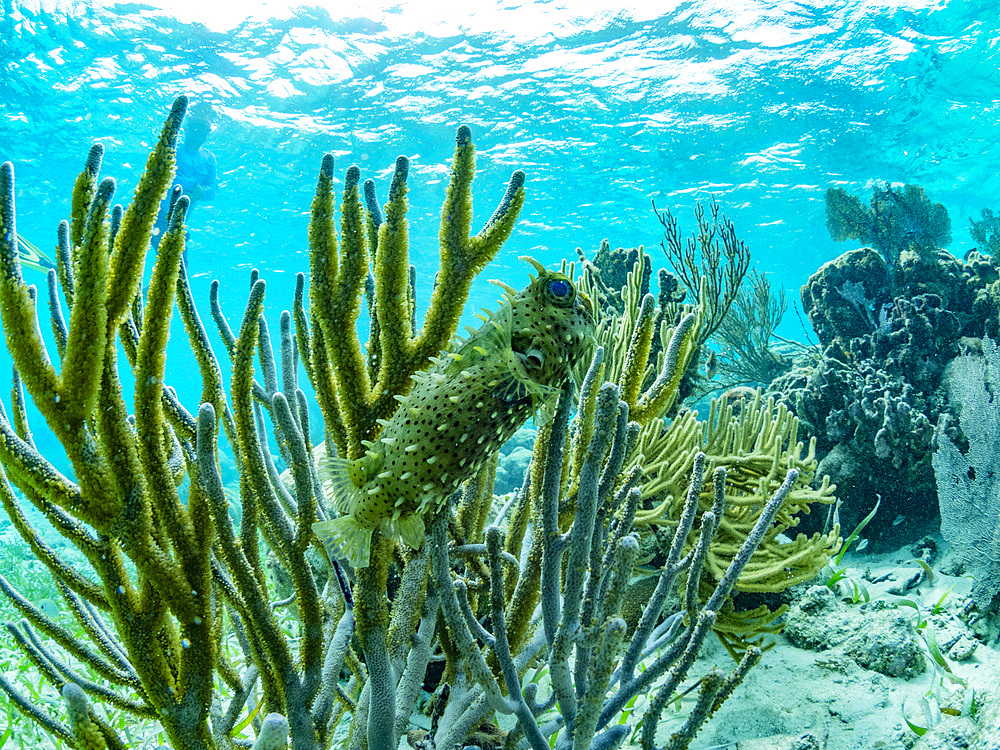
{"x": 580, "y": 610}
{"x": 746, "y": 333}
{"x": 714, "y": 257}
{"x": 352, "y": 400}
{"x": 986, "y": 232}
{"x": 758, "y": 444}
{"x": 156, "y": 631}
{"x": 174, "y": 586}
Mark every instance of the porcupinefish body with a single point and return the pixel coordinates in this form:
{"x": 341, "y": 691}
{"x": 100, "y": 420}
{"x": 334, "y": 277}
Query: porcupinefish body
{"x": 458, "y": 414}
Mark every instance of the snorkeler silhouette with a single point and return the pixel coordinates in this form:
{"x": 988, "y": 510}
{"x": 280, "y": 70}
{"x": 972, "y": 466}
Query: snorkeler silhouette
{"x": 196, "y": 168}
{"x": 196, "y": 178}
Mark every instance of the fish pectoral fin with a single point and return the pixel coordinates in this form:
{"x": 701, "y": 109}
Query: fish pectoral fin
{"x": 511, "y": 389}
{"x": 345, "y": 537}
{"x": 410, "y": 528}
{"x": 544, "y": 398}
{"x": 341, "y": 479}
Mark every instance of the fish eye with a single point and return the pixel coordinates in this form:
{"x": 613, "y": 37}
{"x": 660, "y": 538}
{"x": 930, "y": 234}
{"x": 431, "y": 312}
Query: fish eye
{"x": 560, "y": 289}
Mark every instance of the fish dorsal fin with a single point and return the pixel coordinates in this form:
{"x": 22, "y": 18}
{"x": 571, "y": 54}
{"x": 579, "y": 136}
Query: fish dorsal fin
{"x": 32, "y": 257}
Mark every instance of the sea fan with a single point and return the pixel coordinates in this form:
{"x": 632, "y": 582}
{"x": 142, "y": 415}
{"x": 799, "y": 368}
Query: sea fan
{"x": 969, "y": 484}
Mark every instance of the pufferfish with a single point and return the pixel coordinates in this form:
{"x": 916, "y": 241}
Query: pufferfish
{"x": 458, "y": 414}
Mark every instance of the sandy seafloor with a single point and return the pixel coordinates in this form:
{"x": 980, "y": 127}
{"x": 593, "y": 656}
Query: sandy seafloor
{"x": 802, "y": 699}
{"x": 798, "y": 699}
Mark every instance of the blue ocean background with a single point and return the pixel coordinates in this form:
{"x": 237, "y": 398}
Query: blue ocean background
{"x": 606, "y": 106}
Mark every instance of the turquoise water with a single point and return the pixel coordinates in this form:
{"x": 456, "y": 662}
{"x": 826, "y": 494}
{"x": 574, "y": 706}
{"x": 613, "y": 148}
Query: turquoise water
{"x": 763, "y": 105}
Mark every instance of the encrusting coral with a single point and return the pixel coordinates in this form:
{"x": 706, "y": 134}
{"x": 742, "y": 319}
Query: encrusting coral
{"x": 174, "y": 586}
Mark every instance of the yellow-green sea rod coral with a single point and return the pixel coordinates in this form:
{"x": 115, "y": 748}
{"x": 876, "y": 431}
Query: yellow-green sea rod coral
{"x": 459, "y": 414}
{"x": 175, "y": 614}
{"x": 123, "y": 505}
{"x": 352, "y": 401}
{"x": 145, "y": 505}
{"x": 85, "y": 731}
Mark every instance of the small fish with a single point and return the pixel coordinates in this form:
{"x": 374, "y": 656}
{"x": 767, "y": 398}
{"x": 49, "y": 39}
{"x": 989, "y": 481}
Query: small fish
{"x": 459, "y": 413}
{"x": 711, "y": 364}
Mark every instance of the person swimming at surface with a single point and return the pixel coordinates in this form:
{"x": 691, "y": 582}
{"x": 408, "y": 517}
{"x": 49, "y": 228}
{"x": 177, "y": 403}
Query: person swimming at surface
{"x": 196, "y": 167}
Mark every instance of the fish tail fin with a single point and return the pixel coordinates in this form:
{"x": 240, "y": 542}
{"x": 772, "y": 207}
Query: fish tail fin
{"x": 32, "y": 257}
{"x": 346, "y": 537}
{"x": 410, "y": 528}
{"x": 342, "y": 479}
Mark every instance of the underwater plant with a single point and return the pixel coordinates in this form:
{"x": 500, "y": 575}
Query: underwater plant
{"x": 174, "y": 618}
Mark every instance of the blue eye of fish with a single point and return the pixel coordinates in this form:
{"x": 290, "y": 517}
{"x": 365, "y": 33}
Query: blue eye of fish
{"x": 560, "y": 288}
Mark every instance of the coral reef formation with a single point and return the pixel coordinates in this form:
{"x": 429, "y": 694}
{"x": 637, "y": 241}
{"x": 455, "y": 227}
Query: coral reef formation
{"x": 609, "y": 273}
{"x": 741, "y": 318}
{"x": 874, "y": 636}
{"x": 711, "y": 267}
{"x": 175, "y": 618}
{"x": 889, "y": 319}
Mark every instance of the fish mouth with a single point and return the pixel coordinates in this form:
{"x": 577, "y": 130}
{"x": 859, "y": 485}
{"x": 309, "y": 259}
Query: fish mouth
{"x": 533, "y": 359}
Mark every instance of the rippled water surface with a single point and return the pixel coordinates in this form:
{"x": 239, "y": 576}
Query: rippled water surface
{"x": 762, "y": 104}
